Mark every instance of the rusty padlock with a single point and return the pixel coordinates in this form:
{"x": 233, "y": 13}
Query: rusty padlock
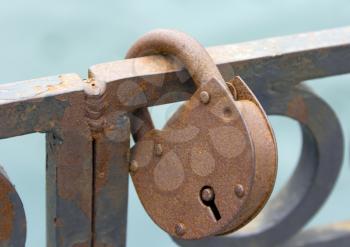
{"x": 211, "y": 169}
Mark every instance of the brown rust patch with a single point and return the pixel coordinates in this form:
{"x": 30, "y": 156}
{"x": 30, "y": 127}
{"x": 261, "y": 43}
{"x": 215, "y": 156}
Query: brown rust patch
{"x": 74, "y": 171}
{"x": 58, "y": 222}
{"x": 102, "y": 156}
{"x": 6, "y": 210}
{"x": 85, "y": 244}
{"x": 297, "y": 109}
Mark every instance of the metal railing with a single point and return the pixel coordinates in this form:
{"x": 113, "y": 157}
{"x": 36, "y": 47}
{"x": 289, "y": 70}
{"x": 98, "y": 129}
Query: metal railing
{"x": 88, "y": 138}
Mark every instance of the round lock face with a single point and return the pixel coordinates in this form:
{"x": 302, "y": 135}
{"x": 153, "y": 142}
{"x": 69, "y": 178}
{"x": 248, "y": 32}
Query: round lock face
{"x": 194, "y": 176}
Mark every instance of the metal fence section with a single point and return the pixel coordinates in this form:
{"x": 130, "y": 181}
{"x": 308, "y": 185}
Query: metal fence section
{"x": 88, "y": 138}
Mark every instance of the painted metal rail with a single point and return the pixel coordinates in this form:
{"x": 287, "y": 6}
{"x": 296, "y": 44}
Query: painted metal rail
{"x": 87, "y": 193}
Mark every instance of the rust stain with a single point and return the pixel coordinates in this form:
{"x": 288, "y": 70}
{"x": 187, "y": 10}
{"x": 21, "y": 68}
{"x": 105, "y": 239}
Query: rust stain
{"x": 58, "y": 222}
{"x": 297, "y": 109}
{"x": 6, "y": 210}
{"x": 102, "y": 169}
{"x": 85, "y": 244}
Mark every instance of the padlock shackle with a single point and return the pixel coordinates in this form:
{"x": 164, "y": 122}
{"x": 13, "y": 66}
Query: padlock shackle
{"x": 186, "y": 49}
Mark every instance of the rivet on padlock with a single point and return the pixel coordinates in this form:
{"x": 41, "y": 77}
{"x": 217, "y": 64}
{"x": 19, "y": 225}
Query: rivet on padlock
{"x": 211, "y": 169}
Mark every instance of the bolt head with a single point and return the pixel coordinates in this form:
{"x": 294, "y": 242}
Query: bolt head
{"x": 180, "y": 229}
{"x": 207, "y": 194}
{"x": 239, "y": 190}
{"x": 134, "y": 166}
{"x": 158, "y": 149}
{"x": 204, "y": 97}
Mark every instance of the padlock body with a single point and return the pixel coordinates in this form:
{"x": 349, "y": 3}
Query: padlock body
{"x": 206, "y": 144}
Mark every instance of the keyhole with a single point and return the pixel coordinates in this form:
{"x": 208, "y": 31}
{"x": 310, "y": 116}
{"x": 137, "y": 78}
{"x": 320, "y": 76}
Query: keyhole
{"x": 207, "y": 196}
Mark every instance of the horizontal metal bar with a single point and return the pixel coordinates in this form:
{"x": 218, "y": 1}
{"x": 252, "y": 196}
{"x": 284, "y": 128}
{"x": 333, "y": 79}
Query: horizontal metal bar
{"x": 157, "y": 80}
{"x": 291, "y": 58}
{"x": 311, "y": 55}
{"x": 283, "y": 60}
{"x": 36, "y": 105}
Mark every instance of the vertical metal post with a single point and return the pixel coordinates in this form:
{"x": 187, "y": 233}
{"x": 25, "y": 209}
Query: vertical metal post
{"x": 69, "y": 179}
{"x": 111, "y": 149}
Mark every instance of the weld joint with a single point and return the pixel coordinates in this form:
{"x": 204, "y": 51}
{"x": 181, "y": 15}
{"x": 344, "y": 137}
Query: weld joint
{"x": 96, "y": 104}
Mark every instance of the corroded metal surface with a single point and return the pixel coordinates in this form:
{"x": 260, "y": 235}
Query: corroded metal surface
{"x": 214, "y": 141}
{"x": 272, "y": 68}
{"x": 155, "y": 80}
{"x": 69, "y": 190}
{"x": 110, "y": 134}
{"x": 200, "y": 148}
{"x": 12, "y": 217}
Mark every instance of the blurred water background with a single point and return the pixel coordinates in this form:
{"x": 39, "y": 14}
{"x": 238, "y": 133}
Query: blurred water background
{"x": 41, "y": 38}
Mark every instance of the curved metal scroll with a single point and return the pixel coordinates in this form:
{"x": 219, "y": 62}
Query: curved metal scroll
{"x": 312, "y": 181}
{"x": 12, "y": 217}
